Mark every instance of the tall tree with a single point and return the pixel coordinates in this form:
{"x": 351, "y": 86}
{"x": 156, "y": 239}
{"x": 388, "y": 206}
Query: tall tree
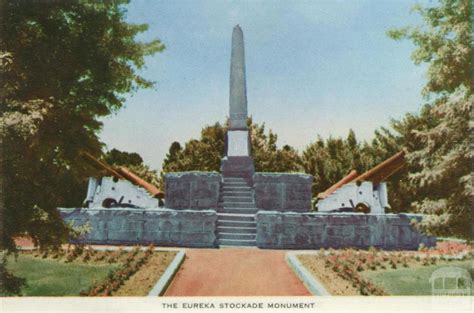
{"x": 64, "y": 64}
{"x": 442, "y": 164}
{"x": 206, "y": 153}
{"x": 118, "y": 157}
{"x": 134, "y": 162}
{"x": 444, "y": 42}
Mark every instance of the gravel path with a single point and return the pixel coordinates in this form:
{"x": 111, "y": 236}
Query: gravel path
{"x": 236, "y": 272}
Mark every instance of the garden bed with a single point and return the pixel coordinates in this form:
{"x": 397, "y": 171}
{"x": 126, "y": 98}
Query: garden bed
{"x": 375, "y": 272}
{"x": 79, "y": 270}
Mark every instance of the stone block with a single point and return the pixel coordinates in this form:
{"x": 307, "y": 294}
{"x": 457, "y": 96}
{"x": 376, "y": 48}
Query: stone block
{"x": 192, "y": 190}
{"x": 286, "y": 192}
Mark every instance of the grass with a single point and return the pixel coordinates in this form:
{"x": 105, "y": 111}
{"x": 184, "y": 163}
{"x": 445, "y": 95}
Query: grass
{"x": 411, "y": 281}
{"x": 46, "y": 277}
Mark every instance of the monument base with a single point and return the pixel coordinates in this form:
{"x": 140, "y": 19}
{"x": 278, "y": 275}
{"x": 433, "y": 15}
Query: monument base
{"x": 237, "y": 166}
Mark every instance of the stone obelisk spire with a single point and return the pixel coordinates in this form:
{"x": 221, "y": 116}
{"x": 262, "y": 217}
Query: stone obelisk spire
{"x": 237, "y": 161}
{"x": 238, "y": 90}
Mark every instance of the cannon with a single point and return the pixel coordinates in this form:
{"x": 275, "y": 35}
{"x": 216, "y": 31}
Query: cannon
{"x": 366, "y": 193}
{"x": 119, "y": 187}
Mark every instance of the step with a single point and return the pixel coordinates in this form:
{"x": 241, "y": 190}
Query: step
{"x": 236, "y": 188}
{"x": 235, "y": 217}
{"x": 232, "y": 223}
{"x": 234, "y": 179}
{"x": 237, "y": 242}
{"x": 241, "y": 199}
{"x": 247, "y": 211}
{"x": 237, "y": 230}
{"x": 233, "y": 236}
{"x": 242, "y": 205}
{"x": 235, "y": 183}
{"x": 245, "y": 193}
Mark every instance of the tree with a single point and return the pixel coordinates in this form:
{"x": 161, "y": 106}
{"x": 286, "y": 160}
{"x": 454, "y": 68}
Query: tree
{"x": 330, "y": 160}
{"x": 134, "y": 162}
{"x": 118, "y": 157}
{"x": 267, "y": 156}
{"x": 197, "y": 155}
{"x": 63, "y": 64}
{"x": 442, "y": 160}
{"x": 206, "y": 153}
{"x": 444, "y": 43}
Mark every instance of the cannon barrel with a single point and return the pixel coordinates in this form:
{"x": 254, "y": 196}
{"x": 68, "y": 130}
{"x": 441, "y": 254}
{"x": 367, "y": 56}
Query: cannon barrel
{"x": 122, "y": 173}
{"x": 101, "y": 165}
{"x": 135, "y": 179}
{"x": 376, "y": 174}
{"x": 384, "y": 170}
{"x": 346, "y": 179}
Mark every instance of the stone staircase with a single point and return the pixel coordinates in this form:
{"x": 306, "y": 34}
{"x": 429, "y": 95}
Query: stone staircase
{"x": 236, "y": 225}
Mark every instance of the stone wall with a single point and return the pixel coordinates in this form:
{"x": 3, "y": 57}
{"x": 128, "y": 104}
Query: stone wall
{"x": 283, "y": 191}
{"x": 339, "y": 230}
{"x": 163, "y": 227}
{"x": 192, "y": 190}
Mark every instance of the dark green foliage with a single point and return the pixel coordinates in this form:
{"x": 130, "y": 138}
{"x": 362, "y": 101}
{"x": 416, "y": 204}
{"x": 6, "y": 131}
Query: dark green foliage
{"x": 206, "y": 153}
{"x": 63, "y": 64}
{"x": 118, "y": 157}
{"x": 134, "y": 162}
{"x": 9, "y": 284}
{"x": 267, "y": 156}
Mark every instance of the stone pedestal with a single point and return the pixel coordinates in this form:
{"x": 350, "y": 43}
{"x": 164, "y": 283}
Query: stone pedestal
{"x": 237, "y": 162}
{"x": 237, "y": 166}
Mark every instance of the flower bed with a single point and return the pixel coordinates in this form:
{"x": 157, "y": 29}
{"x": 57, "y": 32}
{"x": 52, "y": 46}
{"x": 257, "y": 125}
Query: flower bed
{"x": 345, "y": 268}
{"x": 133, "y": 261}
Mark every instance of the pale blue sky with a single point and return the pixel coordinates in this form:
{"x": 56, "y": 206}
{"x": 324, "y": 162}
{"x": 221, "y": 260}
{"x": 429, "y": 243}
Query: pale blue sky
{"x": 313, "y": 68}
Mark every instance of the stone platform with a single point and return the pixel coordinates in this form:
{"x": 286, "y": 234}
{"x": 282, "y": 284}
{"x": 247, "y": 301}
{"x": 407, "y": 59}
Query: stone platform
{"x": 161, "y": 227}
{"x": 274, "y": 230}
{"x": 289, "y": 230}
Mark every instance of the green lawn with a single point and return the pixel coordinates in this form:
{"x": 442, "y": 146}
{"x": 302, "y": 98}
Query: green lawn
{"x": 411, "y": 281}
{"x": 53, "y": 278}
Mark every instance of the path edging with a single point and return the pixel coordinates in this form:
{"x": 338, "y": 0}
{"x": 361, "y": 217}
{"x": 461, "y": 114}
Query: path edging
{"x": 314, "y": 286}
{"x": 165, "y": 279}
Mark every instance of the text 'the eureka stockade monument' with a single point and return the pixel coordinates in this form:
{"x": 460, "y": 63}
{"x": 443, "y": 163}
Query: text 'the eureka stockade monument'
{"x": 241, "y": 207}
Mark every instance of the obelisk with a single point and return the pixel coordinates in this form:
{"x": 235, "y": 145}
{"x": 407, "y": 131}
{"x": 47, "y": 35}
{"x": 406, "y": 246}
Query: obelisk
{"x": 237, "y": 90}
{"x": 237, "y": 161}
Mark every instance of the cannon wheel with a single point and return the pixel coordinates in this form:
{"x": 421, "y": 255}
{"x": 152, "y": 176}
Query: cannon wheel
{"x": 109, "y": 203}
{"x": 362, "y": 208}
